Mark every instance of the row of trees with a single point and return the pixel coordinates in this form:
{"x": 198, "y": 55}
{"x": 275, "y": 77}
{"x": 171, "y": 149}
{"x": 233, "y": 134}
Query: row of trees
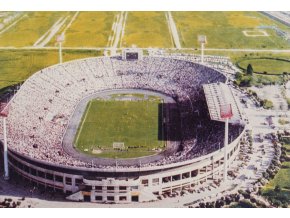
{"x": 265, "y": 103}
{"x": 249, "y": 78}
{"x": 275, "y": 197}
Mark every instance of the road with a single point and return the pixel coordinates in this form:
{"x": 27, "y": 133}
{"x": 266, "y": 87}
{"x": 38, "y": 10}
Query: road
{"x": 181, "y": 49}
{"x": 173, "y": 29}
{"x": 46, "y": 37}
{"x": 118, "y": 29}
{"x": 13, "y": 24}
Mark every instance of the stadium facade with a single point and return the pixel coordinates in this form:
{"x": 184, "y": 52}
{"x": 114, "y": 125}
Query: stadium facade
{"x": 41, "y": 111}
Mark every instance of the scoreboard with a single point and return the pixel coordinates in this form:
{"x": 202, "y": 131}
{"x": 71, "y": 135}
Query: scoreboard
{"x": 132, "y": 54}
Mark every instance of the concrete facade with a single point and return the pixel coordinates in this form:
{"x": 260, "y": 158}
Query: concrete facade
{"x": 141, "y": 184}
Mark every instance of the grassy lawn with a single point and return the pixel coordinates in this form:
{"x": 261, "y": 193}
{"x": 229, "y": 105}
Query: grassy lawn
{"x": 271, "y": 66}
{"x": 17, "y": 65}
{"x": 90, "y": 29}
{"x": 133, "y": 122}
{"x": 225, "y": 29}
{"x": 28, "y": 30}
{"x": 146, "y": 29}
{"x": 281, "y": 179}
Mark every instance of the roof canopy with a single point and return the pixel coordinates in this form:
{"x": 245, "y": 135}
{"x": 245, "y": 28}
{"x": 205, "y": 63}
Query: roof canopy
{"x": 220, "y": 99}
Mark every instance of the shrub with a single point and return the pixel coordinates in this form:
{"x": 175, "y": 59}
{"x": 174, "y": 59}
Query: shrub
{"x": 277, "y": 203}
{"x": 277, "y": 188}
{"x": 246, "y": 204}
{"x": 288, "y": 102}
{"x": 267, "y": 104}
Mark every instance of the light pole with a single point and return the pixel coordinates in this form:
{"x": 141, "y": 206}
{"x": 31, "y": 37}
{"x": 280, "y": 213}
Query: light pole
{"x": 226, "y": 113}
{"x": 202, "y": 41}
{"x": 4, "y": 114}
{"x": 226, "y": 142}
{"x": 59, "y": 40}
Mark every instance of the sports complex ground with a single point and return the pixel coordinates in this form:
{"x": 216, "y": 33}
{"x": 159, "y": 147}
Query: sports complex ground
{"x": 28, "y": 44}
{"x": 88, "y": 34}
{"x": 106, "y": 122}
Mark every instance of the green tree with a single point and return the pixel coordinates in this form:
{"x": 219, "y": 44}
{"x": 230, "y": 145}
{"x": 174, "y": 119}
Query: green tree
{"x": 250, "y": 69}
{"x": 277, "y": 188}
{"x": 267, "y": 104}
{"x": 247, "y": 81}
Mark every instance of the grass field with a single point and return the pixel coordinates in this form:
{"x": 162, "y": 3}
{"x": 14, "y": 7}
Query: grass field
{"x": 17, "y": 65}
{"x": 144, "y": 29}
{"x": 29, "y": 29}
{"x": 90, "y": 29}
{"x": 147, "y": 29}
{"x": 150, "y": 29}
{"x": 271, "y": 66}
{"x": 282, "y": 179}
{"x": 133, "y": 122}
{"x": 224, "y": 29}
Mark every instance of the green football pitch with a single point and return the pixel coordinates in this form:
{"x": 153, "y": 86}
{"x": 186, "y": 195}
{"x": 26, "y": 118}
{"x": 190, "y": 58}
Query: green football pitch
{"x": 134, "y": 123}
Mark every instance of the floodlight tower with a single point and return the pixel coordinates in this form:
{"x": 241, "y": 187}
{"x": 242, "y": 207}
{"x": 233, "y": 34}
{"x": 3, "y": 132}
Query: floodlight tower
{"x": 226, "y": 113}
{"x": 202, "y": 41}
{"x": 59, "y": 40}
{"x": 4, "y": 114}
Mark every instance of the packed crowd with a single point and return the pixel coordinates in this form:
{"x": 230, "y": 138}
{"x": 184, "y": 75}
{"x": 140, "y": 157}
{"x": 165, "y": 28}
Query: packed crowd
{"x": 219, "y": 63}
{"x": 40, "y": 111}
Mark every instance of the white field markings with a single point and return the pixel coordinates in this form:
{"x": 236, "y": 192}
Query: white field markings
{"x": 46, "y": 37}
{"x": 83, "y": 121}
{"x": 172, "y": 29}
{"x": 13, "y": 24}
{"x": 118, "y": 30}
{"x": 255, "y": 33}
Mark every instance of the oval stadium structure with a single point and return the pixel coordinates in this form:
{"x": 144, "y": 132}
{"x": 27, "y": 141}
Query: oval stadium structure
{"x": 45, "y": 112}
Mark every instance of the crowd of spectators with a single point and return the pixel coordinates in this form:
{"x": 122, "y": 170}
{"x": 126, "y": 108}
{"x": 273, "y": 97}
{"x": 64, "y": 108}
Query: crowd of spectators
{"x": 40, "y": 111}
{"x": 222, "y": 64}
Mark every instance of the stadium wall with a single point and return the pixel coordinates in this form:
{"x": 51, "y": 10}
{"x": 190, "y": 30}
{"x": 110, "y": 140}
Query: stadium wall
{"x": 123, "y": 185}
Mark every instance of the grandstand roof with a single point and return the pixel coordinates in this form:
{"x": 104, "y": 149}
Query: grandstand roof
{"x": 217, "y": 95}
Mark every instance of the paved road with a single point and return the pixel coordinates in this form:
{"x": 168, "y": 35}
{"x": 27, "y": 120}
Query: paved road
{"x": 173, "y": 29}
{"x": 181, "y": 49}
{"x": 49, "y": 34}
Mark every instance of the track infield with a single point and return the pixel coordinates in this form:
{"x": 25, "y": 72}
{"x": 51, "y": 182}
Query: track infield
{"x": 134, "y": 123}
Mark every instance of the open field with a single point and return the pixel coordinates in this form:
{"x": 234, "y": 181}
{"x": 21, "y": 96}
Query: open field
{"x": 147, "y": 29}
{"x": 29, "y": 29}
{"x": 281, "y": 179}
{"x": 225, "y": 29}
{"x": 17, "y": 65}
{"x": 271, "y": 66}
{"x": 133, "y": 122}
{"x": 90, "y": 29}
{"x": 144, "y": 29}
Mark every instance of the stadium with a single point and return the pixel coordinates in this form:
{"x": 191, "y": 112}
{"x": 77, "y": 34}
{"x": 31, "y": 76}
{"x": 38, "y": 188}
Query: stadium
{"x": 54, "y": 142}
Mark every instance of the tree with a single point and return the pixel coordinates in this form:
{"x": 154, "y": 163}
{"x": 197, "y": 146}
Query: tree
{"x": 250, "y": 69}
{"x": 277, "y": 188}
{"x": 246, "y": 81}
{"x": 238, "y": 75}
{"x": 267, "y": 104}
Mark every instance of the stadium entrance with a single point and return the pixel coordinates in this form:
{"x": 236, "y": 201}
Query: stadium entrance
{"x": 135, "y": 198}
